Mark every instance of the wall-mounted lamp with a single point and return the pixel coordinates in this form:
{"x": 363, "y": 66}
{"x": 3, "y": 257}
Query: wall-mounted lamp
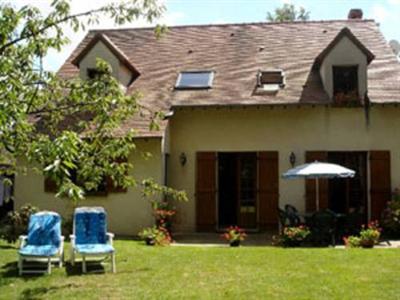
{"x": 182, "y": 159}
{"x": 292, "y": 159}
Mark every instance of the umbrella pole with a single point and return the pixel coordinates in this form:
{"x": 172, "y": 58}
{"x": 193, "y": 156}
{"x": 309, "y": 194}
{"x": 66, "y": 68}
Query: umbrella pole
{"x": 317, "y": 195}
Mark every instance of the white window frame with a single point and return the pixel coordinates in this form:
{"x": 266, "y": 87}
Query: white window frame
{"x": 194, "y": 87}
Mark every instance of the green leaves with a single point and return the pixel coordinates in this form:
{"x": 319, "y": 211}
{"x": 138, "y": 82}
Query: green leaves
{"x": 288, "y": 13}
{"x": 69, "y": 128}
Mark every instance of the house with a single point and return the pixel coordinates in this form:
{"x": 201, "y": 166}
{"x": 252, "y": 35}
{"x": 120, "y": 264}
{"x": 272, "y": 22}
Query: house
{"x": 244, "y": 103}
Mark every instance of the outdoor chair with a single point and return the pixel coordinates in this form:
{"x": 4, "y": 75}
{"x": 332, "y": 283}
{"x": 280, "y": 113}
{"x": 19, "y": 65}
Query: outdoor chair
{"x": 323, "y": 227}
{"x": 293, "y": 215}
{"x": 283, "y": 219}
{"x": 44, "y": 242}
{"x": 353, "y": 222}
{"x": 90, "y": 238}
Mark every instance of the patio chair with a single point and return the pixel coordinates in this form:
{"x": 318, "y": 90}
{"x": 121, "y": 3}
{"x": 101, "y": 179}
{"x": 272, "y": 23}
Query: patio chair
{"x": 44, "y": 242}
{"x": 293, "y": 215}
{"x": 90, "y": 238}
{"x": 323, "y": 227}
{"x": 283, "y": 219}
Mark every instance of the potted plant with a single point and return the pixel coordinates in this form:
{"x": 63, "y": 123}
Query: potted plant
{"x": 294, "y": 236}
{"x": 234, "y": 235}
{"x": 370, "y": 234}
{"x": 158, "y": 236}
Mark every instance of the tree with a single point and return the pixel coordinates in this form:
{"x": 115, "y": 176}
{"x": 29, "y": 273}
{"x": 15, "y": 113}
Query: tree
{"x": 65, "y": 128}
{"x": 288, "y": 13}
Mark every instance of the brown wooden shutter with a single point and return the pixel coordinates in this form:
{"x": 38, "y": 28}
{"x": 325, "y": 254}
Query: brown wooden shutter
{"x": 206, "y": 191}
{"x": 111, "y": 188}
{"x": 379, "y": 163}
{"x": 312, "y": 156}
{"x": 50, "y": 186}
{"x": 268, "y": 189}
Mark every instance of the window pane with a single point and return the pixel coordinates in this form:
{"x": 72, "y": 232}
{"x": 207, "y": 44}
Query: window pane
{"x": 345, "y": 80}
{"x": 195, "y": 80}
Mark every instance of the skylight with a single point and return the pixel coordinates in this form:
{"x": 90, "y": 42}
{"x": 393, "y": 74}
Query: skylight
{"x": 195, "y": 80}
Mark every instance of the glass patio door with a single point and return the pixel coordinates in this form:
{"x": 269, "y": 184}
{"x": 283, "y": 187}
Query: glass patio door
{"x": 247, "y": 190}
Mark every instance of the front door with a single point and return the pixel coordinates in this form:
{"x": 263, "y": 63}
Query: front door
{"x": 237, "y": 189}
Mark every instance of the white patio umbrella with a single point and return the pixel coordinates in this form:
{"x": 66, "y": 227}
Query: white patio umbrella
{"x": 318, "y": 170}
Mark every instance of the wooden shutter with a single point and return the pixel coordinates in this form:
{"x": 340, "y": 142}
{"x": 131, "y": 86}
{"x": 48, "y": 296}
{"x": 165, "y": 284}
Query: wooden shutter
{"x": 268, "y": 189}
{"x": 379, "y": 163}
{"x": 206, "y": 191}
{"x": 50, "y": 186}
{"x": 312, "y": 156}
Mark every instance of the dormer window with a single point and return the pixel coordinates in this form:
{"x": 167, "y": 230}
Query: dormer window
{"x": 270, "y": 81}
{"x": 195, "y": 80}
{"x": 345, "y": 83}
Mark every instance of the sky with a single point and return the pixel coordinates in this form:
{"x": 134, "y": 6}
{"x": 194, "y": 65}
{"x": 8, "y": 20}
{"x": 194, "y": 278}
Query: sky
{"x": 187, "y": 12}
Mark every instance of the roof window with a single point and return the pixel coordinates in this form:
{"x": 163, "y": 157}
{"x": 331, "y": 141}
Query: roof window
{"x": 270, "y": 80}
{"x": 194, "y": 80}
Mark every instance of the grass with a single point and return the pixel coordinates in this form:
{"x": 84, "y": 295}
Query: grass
{"x": 215, "y": 273}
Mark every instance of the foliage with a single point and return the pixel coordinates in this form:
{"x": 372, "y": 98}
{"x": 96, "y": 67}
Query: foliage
{"x": 294, "y": 236}
{"x": 157, "y": 236}
{"x": 16, "y": 223}
{"x": 163, "y": 213}
{"x": 391, "y": 215}
{"x": 369, "y": 236}
{"x": 352, "y": 241}
{"x": 65, "y": 127}
{"x": 67, "y": 226}
{"x": 288, "y": 13}
{"x": 234, "y": 234}
{"x": 162, "y": 199}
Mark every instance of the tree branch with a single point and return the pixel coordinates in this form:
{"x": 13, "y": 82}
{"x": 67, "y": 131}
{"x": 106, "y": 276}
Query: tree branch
{"x": 43, "y": 29}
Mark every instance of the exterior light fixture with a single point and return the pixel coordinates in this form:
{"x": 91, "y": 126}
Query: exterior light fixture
{"x": 182, "y": 159}
{"x": 292, "y": 159}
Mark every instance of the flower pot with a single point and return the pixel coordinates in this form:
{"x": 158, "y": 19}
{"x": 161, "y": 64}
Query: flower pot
{"x": 150, "y": 241}
{"x": 367, "y": 244}
{"x": 235, "y": 243}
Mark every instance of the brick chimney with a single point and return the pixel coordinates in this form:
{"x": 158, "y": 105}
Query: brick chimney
{"x": 355, "y": 14}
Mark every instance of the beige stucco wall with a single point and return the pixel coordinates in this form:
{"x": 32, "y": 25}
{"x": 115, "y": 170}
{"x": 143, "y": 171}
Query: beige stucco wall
{"x": 127, "y": 212}
{"x": 345, "y": 53}
{"x": 278, "y": 129}
{"x": 119, "y": 70}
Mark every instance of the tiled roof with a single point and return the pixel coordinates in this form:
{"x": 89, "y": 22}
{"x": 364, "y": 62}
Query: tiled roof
{"x": 236, "y": 52}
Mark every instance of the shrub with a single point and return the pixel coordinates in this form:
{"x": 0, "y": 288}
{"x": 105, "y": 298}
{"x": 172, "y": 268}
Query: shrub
{"x": 163, "y": 213}
{"x": 352, "y": 241}
{"x": 391, "y": 215}
{"x": 16, "y": 223}
{"x": 294, "y": 236}
{"x": 157, "y": 236}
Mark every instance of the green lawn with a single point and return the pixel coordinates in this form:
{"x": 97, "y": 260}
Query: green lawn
{"x": 212, "y": 273}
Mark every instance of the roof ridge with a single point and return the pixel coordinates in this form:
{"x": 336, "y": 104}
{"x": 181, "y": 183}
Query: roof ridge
{"x": 240, "y": 24}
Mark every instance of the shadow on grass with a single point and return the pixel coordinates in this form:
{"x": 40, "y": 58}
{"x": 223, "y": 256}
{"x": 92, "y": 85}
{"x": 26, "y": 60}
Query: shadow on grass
{"x": 7, "y": 247}
{"x": 92, "y": 268}
{"x": 9, "y": 270}
{"x": 40, "y": 292}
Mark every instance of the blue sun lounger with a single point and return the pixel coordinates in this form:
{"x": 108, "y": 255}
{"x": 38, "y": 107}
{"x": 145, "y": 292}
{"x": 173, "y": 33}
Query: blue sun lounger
{"x": 44, "y": 242}
{"x": 90, "y": 236}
